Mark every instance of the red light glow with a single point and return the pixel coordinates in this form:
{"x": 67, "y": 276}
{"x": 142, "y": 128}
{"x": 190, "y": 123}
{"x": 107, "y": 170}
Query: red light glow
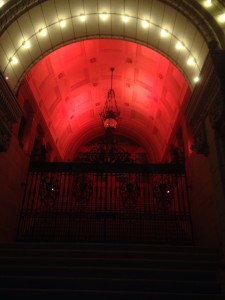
{"x": 70, "y": 86}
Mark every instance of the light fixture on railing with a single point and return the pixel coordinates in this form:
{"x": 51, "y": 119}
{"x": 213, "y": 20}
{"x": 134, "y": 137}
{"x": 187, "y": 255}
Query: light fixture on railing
{"x": 110, "y": 114}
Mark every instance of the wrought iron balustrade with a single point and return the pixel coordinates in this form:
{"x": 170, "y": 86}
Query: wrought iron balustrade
{"x": 106, "y": 202}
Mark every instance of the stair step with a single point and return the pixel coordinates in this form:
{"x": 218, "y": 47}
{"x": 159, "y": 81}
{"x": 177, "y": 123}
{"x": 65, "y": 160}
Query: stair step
{"x": 109, "y": 262}
{"x": 57, "y": 294}
{"x": 108, "y": 271}
{"x": 119, "y": 284}
{"x": 55, "y": 271}
{"x": 98, "y": 253}
{"x": 109, "y": 246}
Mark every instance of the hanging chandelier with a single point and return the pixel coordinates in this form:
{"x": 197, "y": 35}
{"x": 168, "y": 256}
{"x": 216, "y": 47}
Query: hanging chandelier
{"x": 110, "y": 114}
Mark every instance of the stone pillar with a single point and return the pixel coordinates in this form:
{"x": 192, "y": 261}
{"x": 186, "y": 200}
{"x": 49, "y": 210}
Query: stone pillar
{"x": 205, "y": 115}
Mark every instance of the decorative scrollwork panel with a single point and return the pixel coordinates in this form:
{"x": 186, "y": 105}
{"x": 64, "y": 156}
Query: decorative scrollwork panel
{"x": 129, "y": 194}
{"x": 163, "y": 191}
{"x": 49, "y": 189}
{"x": 82, "y": 191}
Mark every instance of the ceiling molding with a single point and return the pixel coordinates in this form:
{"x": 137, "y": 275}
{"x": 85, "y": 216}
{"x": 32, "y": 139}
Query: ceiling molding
{"x": 11, "y": 11}
{"x": 202, "y": 19}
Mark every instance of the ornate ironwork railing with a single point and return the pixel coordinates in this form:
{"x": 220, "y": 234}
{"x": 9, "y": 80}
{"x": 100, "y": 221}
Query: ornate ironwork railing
{"x": 106, "y": 202}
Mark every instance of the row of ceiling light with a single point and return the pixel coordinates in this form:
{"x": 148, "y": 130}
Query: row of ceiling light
{"x": 220, "y": 18}
{"x": 164, "y": 33}
{"x": 205, "y": 3}
{"x": 145, "y": 24}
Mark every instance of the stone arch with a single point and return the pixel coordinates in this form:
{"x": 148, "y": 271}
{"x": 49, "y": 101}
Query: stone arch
{"x": 203, "y": 27}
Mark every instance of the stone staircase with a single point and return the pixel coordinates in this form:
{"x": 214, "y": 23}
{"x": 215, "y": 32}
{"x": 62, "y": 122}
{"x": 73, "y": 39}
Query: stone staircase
{"x": 108, "y": 271}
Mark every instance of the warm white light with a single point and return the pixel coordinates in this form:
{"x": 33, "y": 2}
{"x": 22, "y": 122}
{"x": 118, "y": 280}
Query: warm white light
{"x": 145, "y": 24}
{"x": 2, "y": 3}
{"x": 163, "y": 32}
{"x": 14, "y": 60}
{"x": 26, "y": 44}
{"x": 208, "y": 3}
{"x": 43, "y": 32}
{"x": 191, "y": 61}
{"x": 82, "y": 18}
{"x": 6, "y": 78}
{"x": 196, "y": 79}
{"x": 179, "y": 45}
{"x": 104, "y": 16}
{"x": 221, "y": 18}
{"x": 62, "y": 23}
{"x": 125, "y": 19}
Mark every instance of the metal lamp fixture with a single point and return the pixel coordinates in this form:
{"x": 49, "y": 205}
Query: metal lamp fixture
{"x": 110, "y": 114}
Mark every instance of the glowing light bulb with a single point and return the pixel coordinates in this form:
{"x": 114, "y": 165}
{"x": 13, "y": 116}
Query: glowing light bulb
{"x": 2, "y": 3}
{"x": 82, "y": 18}
{"x": 196, "y": 79}
{"x": 191, "y": 61}
{"x": 26, "y": 44}
{"x": 62, "y": 23}
{"x": 125, "y": 18}
{"x": 179, "y": 45}
{"x": 208, "y": 3}
{"x": 14, "y": 60}
{"x": 104, "y": 16}
{"x": 221, "y": 18}
{"x": 145, "y": 24}
{"x": 163, "y": 32}
{"x": 43, "y": 32}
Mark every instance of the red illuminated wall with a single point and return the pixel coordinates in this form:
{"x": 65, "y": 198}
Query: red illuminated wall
{"x": 68, "y": 89}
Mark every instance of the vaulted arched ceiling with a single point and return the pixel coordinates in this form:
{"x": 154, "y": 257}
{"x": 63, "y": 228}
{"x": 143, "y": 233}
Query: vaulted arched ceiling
{"x": 157, "y": 47}
{"x": 71, "y": 84}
